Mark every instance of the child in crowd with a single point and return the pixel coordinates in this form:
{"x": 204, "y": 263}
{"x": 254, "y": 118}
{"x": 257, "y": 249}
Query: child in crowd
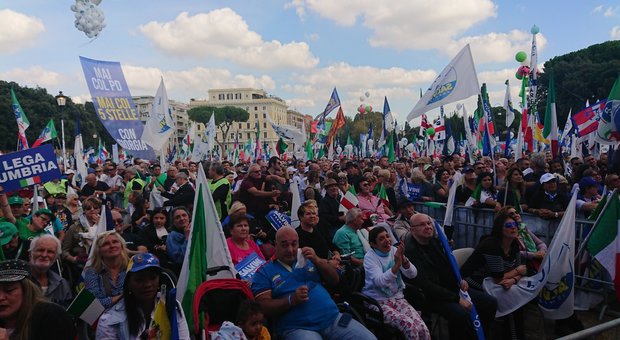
{"x": 249, "y": 325}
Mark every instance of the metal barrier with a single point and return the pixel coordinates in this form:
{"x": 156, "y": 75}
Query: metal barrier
{"x": 595, "y": 330}
{"x": 470, "y": 224}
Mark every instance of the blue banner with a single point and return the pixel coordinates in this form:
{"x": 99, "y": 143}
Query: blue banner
{"x": 28, "y": 167}
{"x": 278, "y": 219}
{"x": 248, "y": 266}
{"x": 414, "y": 191}
{"x": 114, "y": 105}
{"x": 473, "y": 314}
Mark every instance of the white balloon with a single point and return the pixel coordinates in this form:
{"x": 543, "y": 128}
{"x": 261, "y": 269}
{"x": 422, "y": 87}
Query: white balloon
{"x": 404, "y": 140}
{"x": 367, "y": 94}
{"x": 96, "y": 2}
{"x": 362, "y": 98}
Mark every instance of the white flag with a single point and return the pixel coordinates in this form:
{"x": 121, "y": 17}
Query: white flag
{"x": 288, "y": 132}
{"x": 456, "y": 82}
{"x": 554, "y": 284}
{"x": 510, "y": 113}
{"x": 79, "y": 179}
{"x": 160, "y": 124}
{"x": 209, "y": 136}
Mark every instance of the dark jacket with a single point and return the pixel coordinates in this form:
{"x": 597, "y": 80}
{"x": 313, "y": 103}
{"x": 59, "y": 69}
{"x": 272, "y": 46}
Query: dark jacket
{"x": 328, "y": 215}
{"x": 184, "y": 196}
{"x": 49, "y": 321}
{"x": 435, "y": 275}
{"x": 58, "y": 289}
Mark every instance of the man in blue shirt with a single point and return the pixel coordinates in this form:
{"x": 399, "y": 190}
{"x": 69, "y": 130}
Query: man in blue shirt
{"x": 290, "y": 291}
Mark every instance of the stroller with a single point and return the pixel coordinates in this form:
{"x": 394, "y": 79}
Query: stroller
{"x": 218, "y": 300}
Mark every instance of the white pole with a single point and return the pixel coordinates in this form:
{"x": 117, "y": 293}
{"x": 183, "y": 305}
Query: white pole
{"x": 64, "y": 151}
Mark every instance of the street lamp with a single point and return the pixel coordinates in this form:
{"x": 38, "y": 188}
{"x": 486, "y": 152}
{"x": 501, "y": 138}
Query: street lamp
{"x": 61, "y": 100}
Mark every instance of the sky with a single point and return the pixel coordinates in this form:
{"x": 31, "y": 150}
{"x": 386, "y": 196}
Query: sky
{"x": 298, "y": 50}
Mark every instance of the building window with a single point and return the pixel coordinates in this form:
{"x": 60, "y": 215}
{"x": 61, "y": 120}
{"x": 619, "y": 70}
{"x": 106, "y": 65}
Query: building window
{"x": 221, "y": 96}
{"x": 225, "y": 147}
{"x": 248, "y": 125}
{"x": 247, "y": 108}
{"x": 265, "y": 134}
{"x": 264, "y": 125}
{"x": 249, "y": 135}
{"x": 264, "y": 108}
{"x": 240, "y": 135}
{"x": 232, "y": 135}
{"x": 240, "y": 125}
{"x": 264, "y": 116}
{"x": 255, "y": 108}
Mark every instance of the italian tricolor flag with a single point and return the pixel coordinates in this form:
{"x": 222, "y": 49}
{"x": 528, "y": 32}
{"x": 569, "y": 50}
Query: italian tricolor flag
{"x": 29, "y": 181}
{"x": 604, "y": 241}
{"x": 349, "y": 200}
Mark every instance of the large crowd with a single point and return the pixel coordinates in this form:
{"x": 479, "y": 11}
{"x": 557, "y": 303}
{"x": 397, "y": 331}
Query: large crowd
{"x": 51, "y": 247}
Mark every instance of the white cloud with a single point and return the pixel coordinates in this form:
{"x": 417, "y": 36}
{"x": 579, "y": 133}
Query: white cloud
{"x": 33, "y": 76}
{"x": 606, "y": 11}
{"x": 615, "y": 33}
{"x": 497, "y": 47}
{"x": 192, "y": 83}
{"x": 311, "y": 90}
{"x": 404, "y": 24}
{"x": 224, "y": 34}
{"x": 18, "y": 31}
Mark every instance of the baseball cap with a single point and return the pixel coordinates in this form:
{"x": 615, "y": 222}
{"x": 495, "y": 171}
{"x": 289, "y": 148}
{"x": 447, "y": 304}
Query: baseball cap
{"x": 46, "y": 212}
{"x": 546, "y": 178}
{"x": 14, "y": 270}
{"x": 427, "y": 166}
{"x": 329, "y": 182}
{"x": 13, "y": 200}
{"x": 587, "y": 182}
{"x": 7, "y": 231}
{"x": 467, "y": 169}
{"x": 142, "y": 261}
{"x": 291, "y": 170}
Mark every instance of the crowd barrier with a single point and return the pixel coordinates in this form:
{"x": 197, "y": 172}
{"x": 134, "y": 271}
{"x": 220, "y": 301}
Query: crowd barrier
{"x": 470, "y": 224}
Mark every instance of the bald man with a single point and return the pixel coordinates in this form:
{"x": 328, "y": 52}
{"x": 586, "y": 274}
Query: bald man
{"x": 439, "y": 283}
{"x": 293, "y": 295}
{"x": 94, "y": 187}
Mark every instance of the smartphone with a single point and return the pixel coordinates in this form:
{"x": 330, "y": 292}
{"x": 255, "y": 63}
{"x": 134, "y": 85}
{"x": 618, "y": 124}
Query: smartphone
{"x": 345, "y": 319}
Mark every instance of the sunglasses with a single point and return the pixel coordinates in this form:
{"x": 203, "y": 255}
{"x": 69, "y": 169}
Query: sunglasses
{"x": 511, "y": 225}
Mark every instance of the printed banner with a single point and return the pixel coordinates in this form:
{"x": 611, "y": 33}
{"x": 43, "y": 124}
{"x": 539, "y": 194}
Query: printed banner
{"x": 278, "y": 219}
{"x": 114, "y": 105}
{"x": 27, "y": 167}
{"x": 248, "y": 266}
{"x": 414, "y": 191}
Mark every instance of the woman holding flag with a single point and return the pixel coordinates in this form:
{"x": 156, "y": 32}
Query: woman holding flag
{"x": 140, "y": 314}
{"x": 498, "y": 256}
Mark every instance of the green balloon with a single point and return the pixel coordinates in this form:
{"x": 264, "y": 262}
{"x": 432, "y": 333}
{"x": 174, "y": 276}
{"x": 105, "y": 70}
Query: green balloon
{"x": 519, "y": 75}
{"x": 368, "y": 108}
{"x": 521, "y": 56}
{"x": 430, "y": 131}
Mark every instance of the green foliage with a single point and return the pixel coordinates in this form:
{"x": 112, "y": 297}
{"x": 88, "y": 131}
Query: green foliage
{"x": 224, "y": 118}
{"x": 40, "y": 106}
{"x": 587, "y": 74}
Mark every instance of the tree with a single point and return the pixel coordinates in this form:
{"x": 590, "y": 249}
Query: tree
{"x": 39, "y": 106}
{"x": 587, "y": 74}
{"x": 225, "y": 117}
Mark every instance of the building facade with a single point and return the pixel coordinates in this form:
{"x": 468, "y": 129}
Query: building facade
{"x": 179, "y": 115}
{"x": 258, "y": 104}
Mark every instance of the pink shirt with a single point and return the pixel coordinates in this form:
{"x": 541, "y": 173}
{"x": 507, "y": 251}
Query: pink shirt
{"x": 237, "y": 254}
{"x": 371, "y": 203}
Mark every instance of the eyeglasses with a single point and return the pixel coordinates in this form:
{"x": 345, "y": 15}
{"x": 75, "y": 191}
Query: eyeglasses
{"x": 511, "y": 225}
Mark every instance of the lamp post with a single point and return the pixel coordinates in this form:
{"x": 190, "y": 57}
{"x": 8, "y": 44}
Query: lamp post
{"x": 61, "y": 100}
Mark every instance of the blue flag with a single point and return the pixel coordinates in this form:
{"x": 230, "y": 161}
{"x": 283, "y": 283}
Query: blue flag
{"x": 473, "y": 314}
{"x": 334, "y": 102}
{"x": 507, "y": 148}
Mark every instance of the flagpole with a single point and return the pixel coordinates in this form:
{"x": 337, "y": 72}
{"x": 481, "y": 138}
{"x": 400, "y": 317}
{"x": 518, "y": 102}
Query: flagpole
{"x": 585, "y": 240}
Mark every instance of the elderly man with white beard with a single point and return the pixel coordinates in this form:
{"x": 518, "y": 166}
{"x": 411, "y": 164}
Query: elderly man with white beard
{"x": 44, "y": 251}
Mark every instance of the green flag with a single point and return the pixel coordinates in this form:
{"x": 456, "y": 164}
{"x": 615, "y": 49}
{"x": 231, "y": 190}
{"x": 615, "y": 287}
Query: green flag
{"x": 391, "y": 154}
{"x": 281, "y": 146}
{"x": 309, "y": 151}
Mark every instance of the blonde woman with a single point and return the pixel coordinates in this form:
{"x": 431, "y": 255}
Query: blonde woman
{"x": 106, "y": 274}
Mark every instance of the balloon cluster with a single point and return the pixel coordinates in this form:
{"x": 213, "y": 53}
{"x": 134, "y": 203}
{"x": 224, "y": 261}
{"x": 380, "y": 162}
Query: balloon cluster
{"x": 521, "y": 57}
{"x": 364, "y": 108}
{"x": 89, "y": 18}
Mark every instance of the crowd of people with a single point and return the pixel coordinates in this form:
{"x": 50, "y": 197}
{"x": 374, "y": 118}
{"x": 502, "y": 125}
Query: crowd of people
{"x": 51, "y": 247}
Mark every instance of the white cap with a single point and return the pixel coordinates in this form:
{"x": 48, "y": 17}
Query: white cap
{"x": 546, "y": 178}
